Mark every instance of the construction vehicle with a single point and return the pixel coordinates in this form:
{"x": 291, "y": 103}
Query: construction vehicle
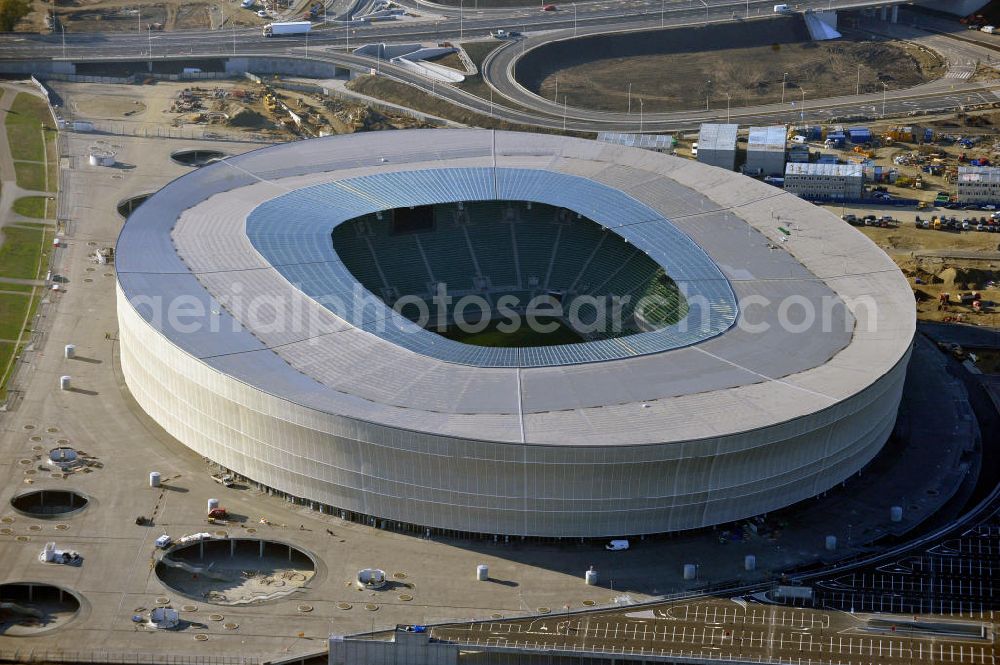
{"x": 218, "y": 514}
{"x": 868, "y": 154}
{"x": 224, "y": 479}
{"x": 287, "y": 28}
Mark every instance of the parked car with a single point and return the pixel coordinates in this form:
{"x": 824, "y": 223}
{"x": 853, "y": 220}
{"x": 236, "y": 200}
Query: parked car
{"x": 163, "y": 542}
{"x": 617, "y": 545}
{"x": 548, "y": 8}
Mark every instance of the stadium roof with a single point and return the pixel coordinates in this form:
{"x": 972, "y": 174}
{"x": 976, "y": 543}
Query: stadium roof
{"x": 316, "y": 269}
{"x": 190, "y": 243}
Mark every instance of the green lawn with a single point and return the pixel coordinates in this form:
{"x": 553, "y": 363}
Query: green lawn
{"x": 521, "y": 337}
{"x": 10, "y": 286}
{"x": 32, "y": 206}
{"x": 31, "y": 175}
{"x": 20, "y": 251}
{"x": 28, "y": 115}
{"x": 6, "y": 351}
{"x": 12, "y": 311}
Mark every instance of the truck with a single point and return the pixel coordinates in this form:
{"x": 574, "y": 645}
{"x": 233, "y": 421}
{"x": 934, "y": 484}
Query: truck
{"x": 287, "y": 28}
{"x": 782, "y": 9}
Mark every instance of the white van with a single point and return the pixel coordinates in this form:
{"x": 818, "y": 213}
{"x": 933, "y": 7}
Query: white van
{"x": 782, "y": 9}
{"x": 798, "y": 138}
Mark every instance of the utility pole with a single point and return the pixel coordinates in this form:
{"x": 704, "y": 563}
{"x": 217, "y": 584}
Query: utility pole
{"x": 62, "y": 26}
{"x": 564, "y": 113}
{"x": 640, "y": 115}
{"x": 663, "y": 8}
{"x": 727, "y": 107}
{"x": 708, "y": 92}
{"x": 783, "y": 79}
{"x": 461, "y": 19}
{"x": 885, "y": 88}
{"x": 858, "y": 89}
{"x": 574, "y": 19}
{"x": 630, "y": 98}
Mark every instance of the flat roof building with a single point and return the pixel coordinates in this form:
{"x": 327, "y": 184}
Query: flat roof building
{"x": 655, "y": 142}
{"x": 825, "y": 182}
{"x": 766, "y": 150}
{"x": 978, "y": 184}
{"x": 717, "y": 145}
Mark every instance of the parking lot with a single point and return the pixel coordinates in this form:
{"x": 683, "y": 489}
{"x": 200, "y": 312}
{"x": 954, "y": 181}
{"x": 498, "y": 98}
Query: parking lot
{"x": 935, "y": 605}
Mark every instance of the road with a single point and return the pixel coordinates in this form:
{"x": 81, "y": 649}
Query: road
{"x": 934, "y": 605}
{"x": 601, "y": 16}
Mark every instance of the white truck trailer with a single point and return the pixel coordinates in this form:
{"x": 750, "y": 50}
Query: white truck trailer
{"x": 287, "y": 28}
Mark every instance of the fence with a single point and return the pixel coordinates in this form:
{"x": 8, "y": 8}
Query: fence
{"x": 119, "y": 657}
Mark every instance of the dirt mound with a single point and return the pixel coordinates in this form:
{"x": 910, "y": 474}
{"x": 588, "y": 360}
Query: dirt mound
{"x": 968, "y": 278}
{"x": 249, "y": 119}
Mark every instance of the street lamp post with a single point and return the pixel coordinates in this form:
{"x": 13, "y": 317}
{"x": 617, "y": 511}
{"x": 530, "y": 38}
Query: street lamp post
{"x": 857, "y": 91}
{"x": 663, "y": 8}
{"x": 885, "y": 88}
{"x": 728, "y": 99}
{"x": 630, "y": 98}
{"x": 555, "y": 97}
{"x": 564, "y": 113}
{"x": 574, "y": 19}
{"x": 461, "y": 19}
{"x": 802, "y": 112}
{"x": 784, "y": 78}
{"x": 708, "y": 92}
{"x": 640, "y": 115}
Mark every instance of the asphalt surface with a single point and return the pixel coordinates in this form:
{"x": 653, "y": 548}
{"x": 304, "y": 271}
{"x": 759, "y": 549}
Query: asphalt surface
{"x": 936, "y": 604}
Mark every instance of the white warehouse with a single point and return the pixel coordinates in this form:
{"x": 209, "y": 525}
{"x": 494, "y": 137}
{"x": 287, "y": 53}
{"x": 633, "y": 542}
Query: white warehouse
{"x": 978, "y": 184}
{"x": 717, "y": 145}
{"x": 766, "y": 150}
{"x": 825, "y": 182}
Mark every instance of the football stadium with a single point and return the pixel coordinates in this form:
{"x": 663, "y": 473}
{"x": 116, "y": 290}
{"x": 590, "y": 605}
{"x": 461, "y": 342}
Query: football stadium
{"x": 490, "y": 332}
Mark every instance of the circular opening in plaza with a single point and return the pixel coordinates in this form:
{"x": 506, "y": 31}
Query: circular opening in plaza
{"x": 49, "y": 503}
{"x": 34, "y": 608}
{"x": 196, "y": 156}
{"x": 235, "y": 571}
{"x": 127, "y": 206}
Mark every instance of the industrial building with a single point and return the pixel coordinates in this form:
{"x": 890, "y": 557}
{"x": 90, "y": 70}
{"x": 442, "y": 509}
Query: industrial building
{"x": 766, "y": 150}
{"x": 825, "y": 182}
{"x": 654, "y": 142}
{"x": 291, "y": 369}
{"x": 979, "y": 184}
{"x": 717, "y": 145}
